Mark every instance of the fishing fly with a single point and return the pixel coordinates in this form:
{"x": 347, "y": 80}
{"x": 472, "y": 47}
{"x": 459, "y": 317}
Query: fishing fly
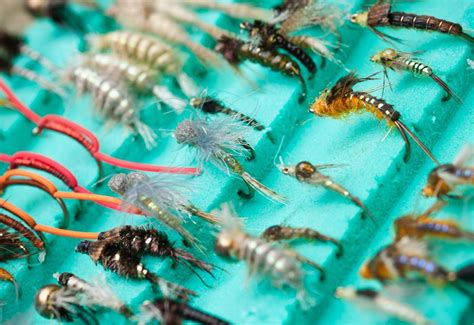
{"x": 93, "y": 294}
{"x": 407, "y": 259}
{"x": 341, "y": 100}
{"x": 280, "y": 233}
{"x": 308, "y": 173}
{"x": 170, "y": 311}
{"x": 218, "y": 141}
{"x": 161, "y": 197}
{"x": 8, "y": 277}
{"x": 448, "y": 180}
{"x": 383, "y": 303}
{"x": 60, "y": 12}
{"x": 210, "y": 105}
{"x": 125, "y": 263}
{"x": 11, "y": 47}
{"x": 381, "y": 15}
{"x": 112, "y": 101}
{"x": 147, "y": 240}
{"x": 236, "y": 51}
{"x": 268, "y": 37}
{"x": 61, "y": 304}
{"x": 262, "y": 257}
{"x": 400, "y": 61}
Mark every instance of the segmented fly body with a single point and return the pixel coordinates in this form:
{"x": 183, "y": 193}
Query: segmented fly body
{"x": 34, "y": 238}
{"x": 404, "y": 260}
{"x": 424, "y": 227}
{"x": 218, "y": 141}
{"x": 211, "y": 105}
{"x": 142, "y": 48}
{"x": 280, "y": 233}
{"x": 308, "y": 173}
{"x": 11, "y": 47}
{"x": 147, "y": 240}
{"x": 446, "y": 181}
{"x": 169, "y": 312}
{"x": 381, "y": 15}
{"x": 399, "y": 61}
{"x": 262, "y": 257}
{"x": 112, "y": 101}
{"x": 138, "y": 16}
{"x": 92, "y": 294}
{"x": 268, "y": 36}
{"x": 142, "y": 78}
{"x": 111, "y": 255}
{"x": 341, "y": 100}
{"x": 236, "y": 51}
{"x": 62, "y": 304}
{"x": 160, "y": 196}
{"x": 383, "y": 303}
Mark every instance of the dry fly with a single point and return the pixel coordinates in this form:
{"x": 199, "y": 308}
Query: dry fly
{"x": 171, "y": 312}
{"x": 11, "y": 47}
{"x": 381, "y": 15}
{"x": 407, "y": 259}
{"x": 236, "y": 51}
{"x": 308, "y": 173}
{"x": 383, "y": 303}
{"x": 142, "y": 78}
{"x": 125, "y": 263}
{"x": 62, "y": 305}
{"x": 211, "y": 105}
{"x": 341, "y": 100}
{"x": 92, "y": 294}
{"x": 218, "y": 141}
{"x": 400, "y": 61}
{"x": 262, "y": 257}
{"x": 139, "y": 17}
{"x": 112, "y": 101}
{"x": 161, "y": 197}
{"x": 447, "y": 180}
{"x": 150, "y": 241}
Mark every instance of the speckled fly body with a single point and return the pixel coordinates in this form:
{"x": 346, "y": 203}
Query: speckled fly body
{"x": 218, "y": 140}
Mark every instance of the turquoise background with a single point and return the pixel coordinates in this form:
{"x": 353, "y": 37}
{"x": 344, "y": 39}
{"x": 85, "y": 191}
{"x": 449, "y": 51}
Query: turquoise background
{"x": 375, "y": 172}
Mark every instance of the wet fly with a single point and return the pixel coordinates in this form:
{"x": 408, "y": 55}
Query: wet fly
{"x": 170, "y": 312}
{"x": 280, "y": 265}
{"x": 210, "y": 105}
{"x": 160, "y": 196}
{"x": 407, "y": 259}
{"x": 218, "y": 141}
{"x": 446, "y": 181}
{"x": 92, "y": 294}
{"x": 280, "y": 233}
{"x": 308, "y": 173}
{"x": 150, "y": 241}
{"x": 125, "y": 263}
{"x": 381, "y": 15}
{"x": 399, "y": 61}
{"x": 383, "y": 303}
{"x": 61, "y": 304}
{"x": 236, "y": 51}
{"x": 341, "y": 100}
{"x": 268, "y": 37}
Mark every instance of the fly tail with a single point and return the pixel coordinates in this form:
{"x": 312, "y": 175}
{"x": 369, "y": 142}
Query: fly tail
{"x": 189, "y": 258}
{"x": 201, "y": 214}
{"x": 262, "y": 189}
{"x": 467, "y": 37}
{"x": 404, "y": 131}
{"x": 147, "y": 134}
{"x": 446, "y": 88}
{"x": 468, "y": 235}
{"x": 42, "y": 82}
{"x": 163, "y": 94}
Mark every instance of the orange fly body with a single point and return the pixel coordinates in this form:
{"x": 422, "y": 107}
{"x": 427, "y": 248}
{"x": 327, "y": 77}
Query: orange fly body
{"x": 341, "y": 100}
